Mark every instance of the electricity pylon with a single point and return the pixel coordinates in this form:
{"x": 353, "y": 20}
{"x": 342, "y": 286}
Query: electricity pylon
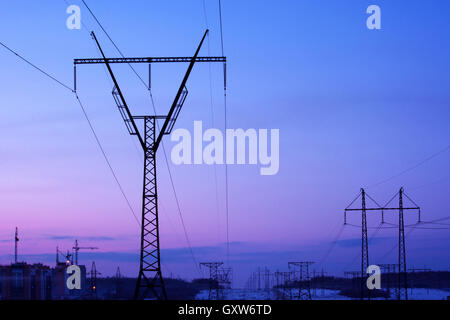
{"x": 364, "y": 241}
{"x": 215, "y": 290}
{"x": 93, "y": 280}
{"x": 402, "y": 278}
{"x": 303, "y": 279}
{"x": 150, "y": 277}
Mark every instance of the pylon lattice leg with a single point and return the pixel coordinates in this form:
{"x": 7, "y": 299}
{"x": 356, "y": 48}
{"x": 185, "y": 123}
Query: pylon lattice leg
{"x": 402, "y": 282}
{"x": 364, "y": 247}
{"x": 150, "y": 277}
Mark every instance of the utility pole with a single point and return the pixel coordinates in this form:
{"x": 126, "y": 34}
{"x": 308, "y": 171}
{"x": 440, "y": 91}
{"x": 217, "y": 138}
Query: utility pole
{"x": 16, "y": 240}
{"x": 77, "y": 248}
{"x": 150, "y": 276}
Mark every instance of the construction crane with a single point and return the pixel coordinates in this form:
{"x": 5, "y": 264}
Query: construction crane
{"x": 150, "y": 277}
{"x": 77, "y": 248}
{"x": 68, "y": 256}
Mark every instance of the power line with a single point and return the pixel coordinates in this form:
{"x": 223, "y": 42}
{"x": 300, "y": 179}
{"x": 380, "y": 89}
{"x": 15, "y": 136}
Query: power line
{"x": 356, "y": 226}
{"x": 225, "y": 120}
{"x": 114, "y": 44}
{"x": 180, "y": 214}
{"x": 434, "y": 155}
{"x": 221, "y": 27}
{"x": 371, "y": 237}
{"x": 164, "y": 150}
{"x": 394, "y": 247}
{"x": 36, "y": 67}
{"x": 87, "y": 119}
{"x": 212, "y": 120}
{"x": 106, "y": 159}
{"x": 175, "y": 193}
{"x": 431, "y": 183}
{"x": 109, "y": 80}
{"x": 332, "y": 244}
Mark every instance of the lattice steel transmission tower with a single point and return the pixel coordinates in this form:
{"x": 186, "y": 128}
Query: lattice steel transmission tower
{"x": 402, "y": 273}
{"x": 225, "y": 277}
{"x": 364, "y": 241}
{"x": 93, "y": 280}
{"x": 283, "y": 283}
{"x": 215, "y": 290}
{"x": 402, "y": 280}
{"x": 302, "y": 278}
{"x": 150, "y": 277}
{"x": 402, "y": 292}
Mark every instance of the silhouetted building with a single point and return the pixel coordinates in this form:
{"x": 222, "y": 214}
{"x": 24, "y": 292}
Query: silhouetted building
{"x": 22, "y": 281}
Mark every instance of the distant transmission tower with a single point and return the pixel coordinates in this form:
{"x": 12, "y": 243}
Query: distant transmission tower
{"x": 364, "y": 241}
{"x": 93, "y": 280}
{"x": 225, "y": 277}
{"x": 302, "y": 278}
{"x": 117, "y": 282}
{"x": 215, "y": 289}
{"x": 402, "y": 292}
{"x": 402, "y": 271}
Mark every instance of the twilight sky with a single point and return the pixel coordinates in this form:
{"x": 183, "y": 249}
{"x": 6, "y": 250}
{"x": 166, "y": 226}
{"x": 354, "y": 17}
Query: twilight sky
{"x": 354, "y": 108}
